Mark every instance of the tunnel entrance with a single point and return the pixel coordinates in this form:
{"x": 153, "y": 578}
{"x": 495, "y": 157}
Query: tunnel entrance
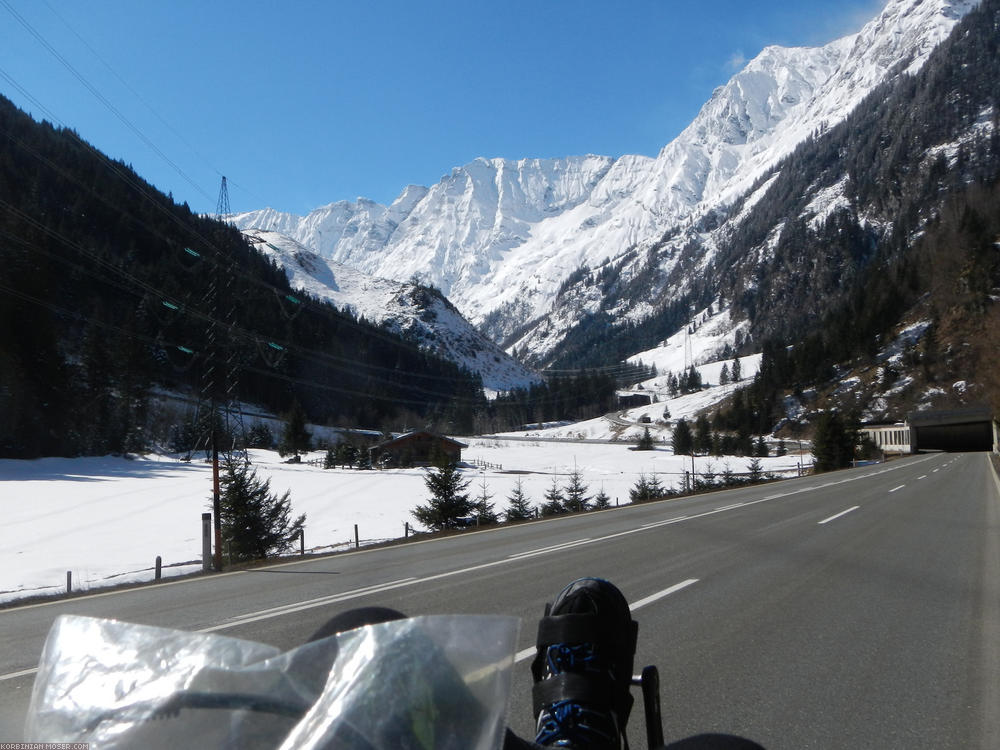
{"x": 954, "y": 430}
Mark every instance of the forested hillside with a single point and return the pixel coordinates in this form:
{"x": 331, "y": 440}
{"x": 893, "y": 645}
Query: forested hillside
{"x": 916, "y": 154}
{"x": 109, "y": 288}
{"x": 894, "y": 215}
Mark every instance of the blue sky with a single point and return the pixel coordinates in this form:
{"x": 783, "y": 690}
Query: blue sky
{"x": 303, "y": 103}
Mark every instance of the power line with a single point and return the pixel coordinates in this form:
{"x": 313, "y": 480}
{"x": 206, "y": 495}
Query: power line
{"x": 100, "y": 97}
{"x": 163, "y": 121}
{"x": 280, "y": 294}
{"x": 10, "y": 291}
{"x": 250, "y": 337}
{"x": 216, "y": 263}
{"x": 180, "y": 307}
{"x": 126, "y": 177}
{"x": 27, "y": 95}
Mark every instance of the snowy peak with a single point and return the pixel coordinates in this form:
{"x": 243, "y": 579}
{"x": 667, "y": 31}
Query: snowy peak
{"x": 785, "y": 94}
{"x": 500, "y": 237}
{"x": 418, "y": 312}
{"x": 909, "y": 29}
{"x": 758, "y": 98}
{"x": 450, "y": 234}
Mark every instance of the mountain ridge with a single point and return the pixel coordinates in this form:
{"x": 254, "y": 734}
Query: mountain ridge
{"x": 492, "y": 239}
{"x": 419, "y": 313}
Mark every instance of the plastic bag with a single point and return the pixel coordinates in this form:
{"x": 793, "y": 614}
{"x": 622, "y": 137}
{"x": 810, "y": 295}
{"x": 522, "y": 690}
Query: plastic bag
{"x": 437, "y": 682}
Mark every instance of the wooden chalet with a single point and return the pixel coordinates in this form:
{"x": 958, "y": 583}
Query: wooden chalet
{"x": 421, "y": 448}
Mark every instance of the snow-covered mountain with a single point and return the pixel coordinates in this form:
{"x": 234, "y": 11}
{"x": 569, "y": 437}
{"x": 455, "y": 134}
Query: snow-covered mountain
{"x": 409, "y": 309}
{"x": 500, "y": 238}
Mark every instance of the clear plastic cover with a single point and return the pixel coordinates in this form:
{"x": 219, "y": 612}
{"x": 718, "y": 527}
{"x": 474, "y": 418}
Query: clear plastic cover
{"x": 425, "y": 682}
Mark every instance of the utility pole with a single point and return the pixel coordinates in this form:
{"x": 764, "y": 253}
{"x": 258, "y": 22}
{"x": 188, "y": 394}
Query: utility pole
{"x": 216, "y": 382}
{"x": 216, "y": 496}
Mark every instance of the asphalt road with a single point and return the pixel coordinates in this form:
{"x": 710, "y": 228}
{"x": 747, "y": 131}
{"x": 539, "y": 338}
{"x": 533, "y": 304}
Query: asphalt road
{"x": 855, "y": 609}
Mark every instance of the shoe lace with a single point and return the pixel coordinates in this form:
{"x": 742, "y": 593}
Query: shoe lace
{"x": 578, "y": 657}
{"x": 568, "y": 724}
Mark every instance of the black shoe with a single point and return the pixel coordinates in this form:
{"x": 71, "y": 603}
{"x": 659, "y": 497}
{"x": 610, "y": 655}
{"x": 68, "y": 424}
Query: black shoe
{"x": 583, "y": 667}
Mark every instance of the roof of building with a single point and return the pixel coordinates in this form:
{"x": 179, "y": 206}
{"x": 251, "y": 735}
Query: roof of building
{"x": 405, "y": 437}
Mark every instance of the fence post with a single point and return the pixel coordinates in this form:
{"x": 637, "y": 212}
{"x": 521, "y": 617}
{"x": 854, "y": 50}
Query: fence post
{"x": 206, "y": 542}
{"x": 357, "y": 541}
{"x": 406, "y": 530}
{"x": 302, "y": 542}
{"x": 159, "y": 567}
{"x": 69, "y": 581}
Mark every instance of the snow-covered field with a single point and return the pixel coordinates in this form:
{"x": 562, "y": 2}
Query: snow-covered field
{"x": 106, "y": 519}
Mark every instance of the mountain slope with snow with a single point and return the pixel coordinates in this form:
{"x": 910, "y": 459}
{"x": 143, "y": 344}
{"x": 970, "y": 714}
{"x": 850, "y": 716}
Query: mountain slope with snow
{"x": 500, "y": 237}
{"x": 408, "y": 309}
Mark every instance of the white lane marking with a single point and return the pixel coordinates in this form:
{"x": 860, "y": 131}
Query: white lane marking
{"x": 935, "y": 471}
{"x": 353, "y": 593}
{"x": 730, "y": 507}
{"x": 14, "y": 675}
{"x": 838, "y": 515}
{"x": 529, "y": 652}
{"x": 546, "y": 550}
{"x": 524, "y": 654}
{"x": 288, "y": 609}
{"x": 922, "y": 477}
{"x": 897, "y": 488}
{"x": 660, "y": 594}
{"x": 666, "y": 522}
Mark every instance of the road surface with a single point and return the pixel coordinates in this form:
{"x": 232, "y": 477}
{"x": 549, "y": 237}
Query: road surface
{"x": 854, "y": 609}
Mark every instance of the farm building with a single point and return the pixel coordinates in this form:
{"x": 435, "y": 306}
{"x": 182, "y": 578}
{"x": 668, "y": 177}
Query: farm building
{"x": 632, "y": 399}
{"x": 416, "y": 448}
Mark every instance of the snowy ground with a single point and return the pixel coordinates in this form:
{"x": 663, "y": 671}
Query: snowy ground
{"x": 627, "y": 426}
{"x": 106, "y": 519}
{"x": 699, "y": 344}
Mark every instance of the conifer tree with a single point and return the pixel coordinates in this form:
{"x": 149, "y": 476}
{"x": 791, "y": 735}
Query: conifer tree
{"x": 833, "y": 442}
{"x": 553, "y": 504}
{"x": 449, "y": 499}
{"x": 645, "y": 442}
{"x": 702, "y": 435}
{"x": 296, "y": 438}
{"x": 260, "y": 436}
{"x": 518, "y": 507}
{"x": 681, "y": 440}
{"x": 255, "y": 522}
{"x": 364, "y": 458}
{"x": 601, "y": 500}
{"x": 728, "y": 475}
{"x": 346, "y": 454}
{"x": 707, "y": 478}
{"x": 575, "y": 498}
{"x": 646, "y": 489}
{"x": 482, "y": 508}
{"x": 760, "y": 448}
